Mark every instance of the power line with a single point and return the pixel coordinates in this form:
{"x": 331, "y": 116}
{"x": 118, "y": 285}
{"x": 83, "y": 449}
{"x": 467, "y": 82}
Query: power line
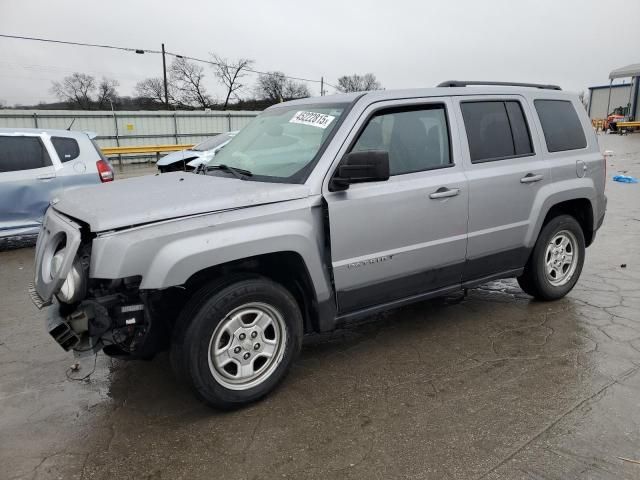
{"x": 136, "y": 50}
{"x": 142, "y": 51}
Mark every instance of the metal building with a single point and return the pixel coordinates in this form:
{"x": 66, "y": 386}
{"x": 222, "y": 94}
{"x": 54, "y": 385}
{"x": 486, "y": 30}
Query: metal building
{"x": 604, "y": 99}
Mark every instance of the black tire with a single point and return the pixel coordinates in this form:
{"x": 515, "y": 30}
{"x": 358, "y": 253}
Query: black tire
{"x": 198, "y": 321}
{"x": 534, "y": 280}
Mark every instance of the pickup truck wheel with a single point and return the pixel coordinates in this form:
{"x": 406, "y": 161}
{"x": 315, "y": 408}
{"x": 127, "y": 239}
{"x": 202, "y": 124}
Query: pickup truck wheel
{"x": 556, "y": 261}
{"x": 239, "y": 341}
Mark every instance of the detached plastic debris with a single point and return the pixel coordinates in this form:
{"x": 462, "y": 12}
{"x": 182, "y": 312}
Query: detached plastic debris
{"x": 625, "y": 179}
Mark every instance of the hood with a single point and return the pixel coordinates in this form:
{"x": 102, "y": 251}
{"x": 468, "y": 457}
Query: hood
{"x": 152, "y": 198}
{"x": 178, "y": 156}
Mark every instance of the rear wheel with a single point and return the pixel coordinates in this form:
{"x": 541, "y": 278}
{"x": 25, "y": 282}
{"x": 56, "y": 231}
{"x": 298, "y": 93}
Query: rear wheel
{"x": 237, "y": 342}
{"x": 556, "y": 261}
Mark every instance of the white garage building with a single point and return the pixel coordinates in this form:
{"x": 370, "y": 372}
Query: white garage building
{"x": 605, "y": 99}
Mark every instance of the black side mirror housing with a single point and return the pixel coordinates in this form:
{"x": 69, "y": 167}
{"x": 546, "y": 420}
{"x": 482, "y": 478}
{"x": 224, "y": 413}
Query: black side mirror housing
{"x": 360, "y": 167}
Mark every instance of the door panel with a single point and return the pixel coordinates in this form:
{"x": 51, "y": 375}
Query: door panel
{"x": 501, "y": 197}
{"x": 24, "y": 197}
{"x": 390, "y": 240}
{"x": 27, "y": 178}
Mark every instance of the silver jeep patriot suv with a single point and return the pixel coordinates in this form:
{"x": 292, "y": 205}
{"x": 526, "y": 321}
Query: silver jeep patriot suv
{"x": 320, "y": 211}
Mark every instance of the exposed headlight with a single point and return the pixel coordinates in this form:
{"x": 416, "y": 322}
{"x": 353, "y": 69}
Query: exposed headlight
{"x": 74, "y": 286}
{"x": 56, "y": 263}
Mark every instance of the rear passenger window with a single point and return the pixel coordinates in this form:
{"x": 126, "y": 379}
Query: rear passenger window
{"x": 417, "y": 138}
{"x": 496, "y": 130}
{"x": 22, "y": 153}
{"x": 561, "y": 125}
{"x": 66, "y": 148}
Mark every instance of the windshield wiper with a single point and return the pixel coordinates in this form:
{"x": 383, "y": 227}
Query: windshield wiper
{"x": 237, "y": 172}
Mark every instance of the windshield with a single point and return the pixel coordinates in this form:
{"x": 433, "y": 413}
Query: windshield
{"x": 212, "y": 143}
{"x": 281, "y": 144}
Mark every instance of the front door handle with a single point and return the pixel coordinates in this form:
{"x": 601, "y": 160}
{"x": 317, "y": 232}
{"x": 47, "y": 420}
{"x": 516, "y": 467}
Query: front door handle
{"x": 46, "y": 176}
{"x": 531, "y": 178}
{"x": 444, "y": 192}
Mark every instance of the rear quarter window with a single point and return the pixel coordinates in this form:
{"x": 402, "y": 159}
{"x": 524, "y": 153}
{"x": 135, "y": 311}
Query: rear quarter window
{"x": 560, "y": 124}
{"x": 22, "y": 153}
{"x": 66, "y": 148}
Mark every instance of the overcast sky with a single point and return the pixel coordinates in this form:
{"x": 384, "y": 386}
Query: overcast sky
{"x": 404, "y": 43}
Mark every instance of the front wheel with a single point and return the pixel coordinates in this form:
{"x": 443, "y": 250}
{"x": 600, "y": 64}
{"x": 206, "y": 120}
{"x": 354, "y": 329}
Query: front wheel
{"x": 556, "y": 261}
{"x": 238, "y": 342}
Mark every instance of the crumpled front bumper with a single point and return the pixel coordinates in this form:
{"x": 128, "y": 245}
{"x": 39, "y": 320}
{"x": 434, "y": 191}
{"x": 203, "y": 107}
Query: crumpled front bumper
{"x": 58, "y": 233}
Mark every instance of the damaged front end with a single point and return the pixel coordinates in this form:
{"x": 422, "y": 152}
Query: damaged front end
{"x": 113, "y": 316}
{"x": 85, "y": 314}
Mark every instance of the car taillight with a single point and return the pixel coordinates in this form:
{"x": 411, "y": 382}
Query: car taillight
{"x": 105, "y": 172}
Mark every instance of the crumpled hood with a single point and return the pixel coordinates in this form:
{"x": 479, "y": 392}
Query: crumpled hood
{"x": 179, "y": 156}
{"x": 152, "y": 198}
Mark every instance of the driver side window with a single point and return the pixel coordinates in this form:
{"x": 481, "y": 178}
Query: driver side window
{"x": 416, "y": 138}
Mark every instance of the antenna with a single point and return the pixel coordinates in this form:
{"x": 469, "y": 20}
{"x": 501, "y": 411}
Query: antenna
{"x": 71, "y": 124}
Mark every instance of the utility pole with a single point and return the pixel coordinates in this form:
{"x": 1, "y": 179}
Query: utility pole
{"x": 322, "y": 86}
{"x": 164, "y": 72}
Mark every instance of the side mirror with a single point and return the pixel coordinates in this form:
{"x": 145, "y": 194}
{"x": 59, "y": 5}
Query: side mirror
{"x": 360, "y": 167}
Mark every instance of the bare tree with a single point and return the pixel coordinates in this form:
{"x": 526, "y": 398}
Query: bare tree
{"x": 276, "y": 87}
{"x": 230, "y": 74}
{"x": 293, "y": 90}
{"x": 153, "y": 89}
{"x": 76, "y": 89}
{"x": 107, "y": 92}
{"x": 187, "y": 81}
{"x": 358, "y": 83}
{"x": 270, "y": 86}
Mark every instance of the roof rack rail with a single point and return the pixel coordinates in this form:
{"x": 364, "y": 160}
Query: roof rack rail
{"x": 463, "y": 83}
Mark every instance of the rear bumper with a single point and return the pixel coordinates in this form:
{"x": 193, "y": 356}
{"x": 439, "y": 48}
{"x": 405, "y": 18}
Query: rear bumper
{"x": 598, "y": 224}
{"x": 20, "y": 231}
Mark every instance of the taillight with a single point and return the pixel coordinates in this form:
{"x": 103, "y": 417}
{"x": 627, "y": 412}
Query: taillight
{"x": 105, "y": 172}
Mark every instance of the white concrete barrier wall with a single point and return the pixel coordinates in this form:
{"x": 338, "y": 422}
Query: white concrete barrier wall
{"x": 131, "y": 128}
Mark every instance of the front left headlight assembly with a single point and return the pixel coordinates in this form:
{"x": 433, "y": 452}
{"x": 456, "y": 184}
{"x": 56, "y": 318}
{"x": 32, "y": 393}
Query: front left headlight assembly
{"x": 75, "y": 284}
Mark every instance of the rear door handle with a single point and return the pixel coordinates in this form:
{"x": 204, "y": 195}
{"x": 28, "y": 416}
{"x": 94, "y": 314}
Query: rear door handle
{"x": 46, "y": 176}
{"x": 444, "y": 192}
{"x": 531, "y": 178}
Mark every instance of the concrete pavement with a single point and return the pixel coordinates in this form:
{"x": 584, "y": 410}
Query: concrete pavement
{"x": 496, "y": 386}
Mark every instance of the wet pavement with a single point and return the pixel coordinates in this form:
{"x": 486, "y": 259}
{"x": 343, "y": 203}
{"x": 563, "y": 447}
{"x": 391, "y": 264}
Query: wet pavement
{"x": 496, "y": 386}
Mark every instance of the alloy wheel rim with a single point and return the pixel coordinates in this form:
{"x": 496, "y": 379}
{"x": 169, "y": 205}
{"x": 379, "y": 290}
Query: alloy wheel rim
{"x": 561, "y": 258}
{"x": 247, "y": 346}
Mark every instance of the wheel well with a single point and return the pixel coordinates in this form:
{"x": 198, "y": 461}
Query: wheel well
{"x": 286, "y": 268}
{"x": 581, "y": 210}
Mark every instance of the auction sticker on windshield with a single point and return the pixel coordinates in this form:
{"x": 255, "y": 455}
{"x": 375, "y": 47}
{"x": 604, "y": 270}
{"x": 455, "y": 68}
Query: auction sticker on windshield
{"x": 313, "y": 119}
